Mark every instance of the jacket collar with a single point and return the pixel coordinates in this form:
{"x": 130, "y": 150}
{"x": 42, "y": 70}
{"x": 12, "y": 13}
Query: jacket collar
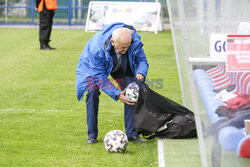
{"x": 107, "y": 43}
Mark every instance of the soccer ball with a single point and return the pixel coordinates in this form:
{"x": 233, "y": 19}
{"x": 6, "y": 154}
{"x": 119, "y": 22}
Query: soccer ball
{"x": 132, "y": 94}
{"x": 132, "y": 91}
{"x": 115, "y": 141}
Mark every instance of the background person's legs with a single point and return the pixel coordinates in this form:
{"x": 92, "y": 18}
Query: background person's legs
{"x": 45, "y": 28}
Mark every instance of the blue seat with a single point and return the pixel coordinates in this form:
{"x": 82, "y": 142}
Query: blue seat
{"x": 229, "y": 137}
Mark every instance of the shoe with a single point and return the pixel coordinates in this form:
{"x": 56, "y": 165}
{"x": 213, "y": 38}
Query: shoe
{"x": 51, "y": 48}
{"x": 136, "y": 139}
{"x": 91, "y": 140}
{"x": 44, "y": 45}
{"x": 46, "y": 48}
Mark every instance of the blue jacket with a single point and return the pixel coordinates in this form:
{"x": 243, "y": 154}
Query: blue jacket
{"x": 96, "y": 63}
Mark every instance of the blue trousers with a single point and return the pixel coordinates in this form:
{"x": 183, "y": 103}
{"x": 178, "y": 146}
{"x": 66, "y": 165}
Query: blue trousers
{"x": 92, "y": 102}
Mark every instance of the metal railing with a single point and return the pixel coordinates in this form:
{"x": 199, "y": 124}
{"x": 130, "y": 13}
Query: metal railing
{"x": 69, "y": 12}
{"x": 65, "y": 13}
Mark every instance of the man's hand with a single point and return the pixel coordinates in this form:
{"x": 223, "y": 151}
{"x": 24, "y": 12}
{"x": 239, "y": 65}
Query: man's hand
{"x": 139, "y": 77}
{"x": 124, "y": 99}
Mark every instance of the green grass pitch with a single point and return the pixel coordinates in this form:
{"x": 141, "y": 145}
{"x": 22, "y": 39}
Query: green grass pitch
{"x": 43, "y": 124}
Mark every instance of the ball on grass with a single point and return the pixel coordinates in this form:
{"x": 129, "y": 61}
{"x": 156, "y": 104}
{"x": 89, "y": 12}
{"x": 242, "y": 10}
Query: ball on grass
{"x": 115, "y": 141}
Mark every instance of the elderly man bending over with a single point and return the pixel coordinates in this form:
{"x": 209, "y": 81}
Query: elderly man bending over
{"x": 117, "y": 51}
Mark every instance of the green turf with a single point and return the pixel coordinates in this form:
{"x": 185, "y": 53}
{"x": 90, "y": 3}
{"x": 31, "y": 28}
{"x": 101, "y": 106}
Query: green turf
{"x": 43, "y": 124}
{"x": 178, "y": 151}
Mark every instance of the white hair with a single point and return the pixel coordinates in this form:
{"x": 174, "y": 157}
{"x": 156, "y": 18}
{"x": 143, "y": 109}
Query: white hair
{"x": 116, "y": 33}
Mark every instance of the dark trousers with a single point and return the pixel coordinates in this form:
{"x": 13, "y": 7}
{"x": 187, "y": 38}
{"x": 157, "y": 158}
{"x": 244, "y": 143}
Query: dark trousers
{"x": 92, "y": 102}
{"x": 45, "y": 24}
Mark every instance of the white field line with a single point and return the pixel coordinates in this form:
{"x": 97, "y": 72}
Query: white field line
{"x": 53, "y": 110}
{"x": 161, "y": 157}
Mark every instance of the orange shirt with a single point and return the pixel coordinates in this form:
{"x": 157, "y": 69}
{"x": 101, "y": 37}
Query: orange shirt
{"x": 50, "y": 4}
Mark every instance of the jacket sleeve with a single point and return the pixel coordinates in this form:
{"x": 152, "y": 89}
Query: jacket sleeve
{"x": 141, "y": 62}
{"x": 100, "y": 77}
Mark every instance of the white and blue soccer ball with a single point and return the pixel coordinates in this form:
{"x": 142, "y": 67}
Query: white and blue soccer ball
{"x": 132, "y": 91}
{"x": 115, "y": 141}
